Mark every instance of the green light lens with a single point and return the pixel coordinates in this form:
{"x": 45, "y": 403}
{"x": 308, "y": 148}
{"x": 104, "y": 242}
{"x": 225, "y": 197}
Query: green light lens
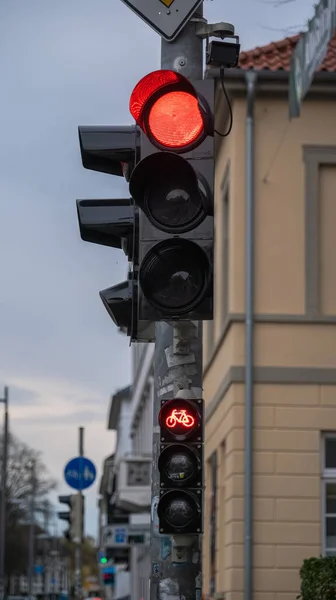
{"x": 103, "y": 561}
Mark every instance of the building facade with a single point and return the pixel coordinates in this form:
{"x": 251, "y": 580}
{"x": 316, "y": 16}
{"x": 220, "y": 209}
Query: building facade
{"x": 287, "y": 172}
{"x": 126, "y": 481}
{"x": 141, "y": 431}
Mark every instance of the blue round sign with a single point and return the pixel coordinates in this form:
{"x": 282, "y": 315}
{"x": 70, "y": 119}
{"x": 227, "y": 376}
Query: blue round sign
{"x": 80, "y": 473}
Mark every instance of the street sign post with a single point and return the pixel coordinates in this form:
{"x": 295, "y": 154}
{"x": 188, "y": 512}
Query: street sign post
{"x": 310, "y": 52}
{"x": 166, "y": 17}
{"x": 115, "y": 536}
{"x": 80, "y": 473}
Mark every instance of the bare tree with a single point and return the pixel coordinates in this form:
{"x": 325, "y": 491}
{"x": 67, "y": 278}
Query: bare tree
{"x": 19, "y": 485}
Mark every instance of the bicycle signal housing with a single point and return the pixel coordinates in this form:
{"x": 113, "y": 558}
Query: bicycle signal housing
{"x": 180, "y": 466}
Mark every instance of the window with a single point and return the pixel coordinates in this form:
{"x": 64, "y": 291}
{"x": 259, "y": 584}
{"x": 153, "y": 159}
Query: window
{"x": 329, "y": 495}
{"x": 213, "y": 521}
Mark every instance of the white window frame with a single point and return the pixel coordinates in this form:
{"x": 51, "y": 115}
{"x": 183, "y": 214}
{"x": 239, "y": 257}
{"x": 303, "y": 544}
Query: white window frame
{"x": 328, "y": 476}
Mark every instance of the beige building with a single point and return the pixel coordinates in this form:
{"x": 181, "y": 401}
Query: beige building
{"x": 291, "y": 181}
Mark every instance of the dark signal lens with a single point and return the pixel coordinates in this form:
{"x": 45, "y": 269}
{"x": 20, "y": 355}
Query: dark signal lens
{"x": 175, "y": 120}
{"x": 174, "y": 203}
{"x": 173, "y": 195}
{"x": 178, "y": 509}
{"x": 174, "y": 276}
{"x": 179, "y": 464}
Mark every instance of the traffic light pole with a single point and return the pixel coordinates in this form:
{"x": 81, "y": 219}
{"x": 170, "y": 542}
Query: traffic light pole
{"x": 176, "y": 570}
{"x": 78, "y": 549}
{"x": 176, "y": 567}
{"x": 31, "y": 547}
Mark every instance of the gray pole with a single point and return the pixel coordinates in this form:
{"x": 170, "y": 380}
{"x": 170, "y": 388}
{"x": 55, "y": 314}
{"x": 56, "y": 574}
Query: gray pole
{"x": 4, "y": 496}
{"x": 176, "y": 571}
{"x": 46, "y": 544}
{"x": 31, "y": 548}
{"x": 249, "y": 341}
{"x": 78, "y": 550}
{"x": 177, "y": 365}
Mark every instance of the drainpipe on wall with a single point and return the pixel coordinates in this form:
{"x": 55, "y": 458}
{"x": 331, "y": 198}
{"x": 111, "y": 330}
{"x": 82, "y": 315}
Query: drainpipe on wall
{"x": 250, "y": 77}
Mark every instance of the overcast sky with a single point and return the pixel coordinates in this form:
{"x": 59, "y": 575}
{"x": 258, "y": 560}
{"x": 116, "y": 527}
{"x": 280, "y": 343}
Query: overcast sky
{"x": 63, "y": 64}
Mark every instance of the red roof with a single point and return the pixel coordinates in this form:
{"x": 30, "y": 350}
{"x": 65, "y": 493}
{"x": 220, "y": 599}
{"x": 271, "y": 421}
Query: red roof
{"x": 276, "y": 56}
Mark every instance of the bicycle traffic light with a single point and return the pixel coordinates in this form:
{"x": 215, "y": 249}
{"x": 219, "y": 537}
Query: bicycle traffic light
{"x": 75, "y": 517}
{"x": 114, "y": 222}
{"x": 180, "y": 463}
{"x": 173, "y": 186}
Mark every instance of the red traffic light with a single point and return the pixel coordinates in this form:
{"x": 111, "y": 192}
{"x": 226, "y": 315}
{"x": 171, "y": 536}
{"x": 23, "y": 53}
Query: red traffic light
{"x": 180, "y": 420}
{"x": 170, "y": 112}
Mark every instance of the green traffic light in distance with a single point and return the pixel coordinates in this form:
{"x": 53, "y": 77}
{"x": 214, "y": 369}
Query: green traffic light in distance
{"x": 103, "y": 561}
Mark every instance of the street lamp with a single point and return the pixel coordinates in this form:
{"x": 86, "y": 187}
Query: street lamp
{"x": 4, "y": 400}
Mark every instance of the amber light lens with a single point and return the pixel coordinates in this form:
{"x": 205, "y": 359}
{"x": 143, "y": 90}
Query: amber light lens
{"x": 175, "y": 120}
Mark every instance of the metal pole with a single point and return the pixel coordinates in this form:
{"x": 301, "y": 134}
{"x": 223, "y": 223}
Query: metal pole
{"x": 45, "y": 544}
{"x": 249, "y": 341}
{"x": 31, "y": 549}
{"x": 4, "y": 495}
{"x": 78, "y": 550}
{"x": 177, "y": 365}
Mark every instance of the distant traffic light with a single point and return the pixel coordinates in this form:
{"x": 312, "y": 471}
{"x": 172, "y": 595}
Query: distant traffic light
{"x": 109, "y": 576}
{"x": 75, "y": 517}
{"x": 175, "y": 196}
{"x": 180, "y": 463}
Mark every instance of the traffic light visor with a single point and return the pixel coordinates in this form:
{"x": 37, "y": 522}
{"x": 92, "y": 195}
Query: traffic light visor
{"x": 118, "y": 303}
{"x": 167, "y": 108}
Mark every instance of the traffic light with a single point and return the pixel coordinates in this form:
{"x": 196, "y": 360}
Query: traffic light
{"x": 173, "y": 186}
{"x": 114, "y": 222}
{"x": 166, "y": 227}
{"x": 75, "y": 517}
{"x": 109, "y": 576}
{"x": 180, "y": 463}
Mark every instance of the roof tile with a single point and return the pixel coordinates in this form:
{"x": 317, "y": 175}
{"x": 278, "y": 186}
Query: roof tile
{"x": 277, "y": 56}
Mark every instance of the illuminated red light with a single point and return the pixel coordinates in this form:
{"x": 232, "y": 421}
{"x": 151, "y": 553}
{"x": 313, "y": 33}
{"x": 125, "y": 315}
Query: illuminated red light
{"x": 166, "y": 107}
{"x": 175, "y": 120}
{"x": 179, "y": 417}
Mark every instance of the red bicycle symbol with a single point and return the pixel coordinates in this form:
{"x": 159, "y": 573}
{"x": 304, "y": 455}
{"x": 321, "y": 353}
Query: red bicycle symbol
{"x": 180, "y": 417}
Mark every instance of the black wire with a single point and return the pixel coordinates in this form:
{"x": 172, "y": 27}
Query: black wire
{"x": 228, "y": 103}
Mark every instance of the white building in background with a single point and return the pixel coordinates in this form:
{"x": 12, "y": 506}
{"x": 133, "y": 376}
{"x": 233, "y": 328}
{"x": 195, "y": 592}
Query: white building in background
{"x": 126, "y": 480}
{"x": 141, "y": 431}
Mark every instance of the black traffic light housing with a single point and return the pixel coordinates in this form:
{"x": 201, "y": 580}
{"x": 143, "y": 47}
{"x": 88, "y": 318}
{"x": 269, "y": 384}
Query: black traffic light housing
{"x": 115, "y": 222}
{"x": 66, "y": 516}
{"x": 173, "y": 185}
{"x": 75, "y": 516}
{"x": 180, "y": 464}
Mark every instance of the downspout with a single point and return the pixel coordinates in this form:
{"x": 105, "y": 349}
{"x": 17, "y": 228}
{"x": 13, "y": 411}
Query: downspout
{"x": 250, "y": 77}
